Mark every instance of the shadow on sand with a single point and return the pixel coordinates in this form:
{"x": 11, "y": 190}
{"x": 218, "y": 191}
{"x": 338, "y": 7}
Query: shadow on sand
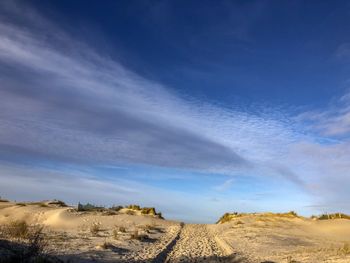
{"x": 13, "y": 252}
{"x": 227, "y": 259}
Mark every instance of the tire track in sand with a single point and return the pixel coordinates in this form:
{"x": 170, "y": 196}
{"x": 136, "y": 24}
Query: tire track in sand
{"x": 195, "y": 243}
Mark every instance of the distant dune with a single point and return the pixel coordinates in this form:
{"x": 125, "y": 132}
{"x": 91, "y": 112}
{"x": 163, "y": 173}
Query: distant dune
{"x": 51, "y": 231}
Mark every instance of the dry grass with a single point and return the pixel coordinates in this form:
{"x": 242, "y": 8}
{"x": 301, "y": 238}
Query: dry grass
{"x": 109, "y": 213}
{"x": 23, "y": 243}
{"x": 345, "y": 249}
{"x": 115, "y": 234}
{"x": 130, "y": 212}
{"x": 137, "y": 236}
{"x": 95, "y": 228}
{"x": 122, "y": 229}
{"x": 227, "y": 217}
{"x": 106, "y": 245}
{"x": 16, "y": 229}
{"x": 290, "y": 260}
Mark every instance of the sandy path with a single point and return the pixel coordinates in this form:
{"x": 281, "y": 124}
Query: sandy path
{"x": 195, "y": 243}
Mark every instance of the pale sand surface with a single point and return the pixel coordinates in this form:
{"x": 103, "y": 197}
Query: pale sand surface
{"x": 263, "y": 237}
{"x": 250, "y": 238}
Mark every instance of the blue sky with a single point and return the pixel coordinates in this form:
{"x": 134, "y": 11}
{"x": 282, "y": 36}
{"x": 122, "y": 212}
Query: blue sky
{"x": 196, "y": 109}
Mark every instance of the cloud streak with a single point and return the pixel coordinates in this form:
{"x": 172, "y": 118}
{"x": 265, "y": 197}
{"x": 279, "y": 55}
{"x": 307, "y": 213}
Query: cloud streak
{"x": 72, "y": 103}
{"x": 92, "y": 109}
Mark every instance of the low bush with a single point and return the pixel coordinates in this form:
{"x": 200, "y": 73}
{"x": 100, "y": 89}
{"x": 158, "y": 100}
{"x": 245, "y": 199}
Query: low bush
{"x": 30, "y": 245}
{"x": 89, "y": 207}
{"x": 58, "y": 203}
{"x": 134, "y": 207}
{"x": 148, "y": 211}
{"x": 332, "y": 216}
{"x": 16, "y": 229}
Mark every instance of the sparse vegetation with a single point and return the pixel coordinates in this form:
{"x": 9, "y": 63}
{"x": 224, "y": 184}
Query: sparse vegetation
{"x": 137, "y": 236}
{"x": 109, "y": 213}
{"x": 148, "y": 211}
{"x": 116, "y": 208}
{"x": 95, "y": 228}
{"x": 129, "y": 212}
{"x": 134, "y": 207}
{"x": 23, "y": 243}
{"x": 122, "y": 229}
{"x": 345, "y": 249}
{"x": 145, "y": 210}
{"x": 115, "y": 233}
{"x": 290, "y": 260}
{"x": 229, "y": 216}
{"x": 21, "y": 204}
{"x": 331, "y": 216}
{"x": 89, "y": 207}
{"x": 106, "y": 245}
{"x": 57, "y": 203}
{"x": 16, "y": 229}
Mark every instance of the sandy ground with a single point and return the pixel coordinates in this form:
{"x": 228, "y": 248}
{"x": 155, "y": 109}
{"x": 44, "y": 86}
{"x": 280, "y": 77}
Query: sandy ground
{"x": 269, "y": 238}
{"x": 250, "y": 238}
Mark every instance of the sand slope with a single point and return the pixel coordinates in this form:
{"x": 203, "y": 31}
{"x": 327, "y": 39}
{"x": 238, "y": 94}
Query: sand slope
{"x": 251, "y": 238}
{"x": 265, "y": 237}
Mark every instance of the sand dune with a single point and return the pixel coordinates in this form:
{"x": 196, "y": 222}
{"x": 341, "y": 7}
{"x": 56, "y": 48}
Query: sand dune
{"x": 129, "y": 236}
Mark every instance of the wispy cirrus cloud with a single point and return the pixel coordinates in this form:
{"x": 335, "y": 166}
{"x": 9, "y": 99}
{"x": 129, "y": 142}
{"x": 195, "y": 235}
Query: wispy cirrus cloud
{"x": 333, "y": 121}
{"x": 64, "y": 100}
